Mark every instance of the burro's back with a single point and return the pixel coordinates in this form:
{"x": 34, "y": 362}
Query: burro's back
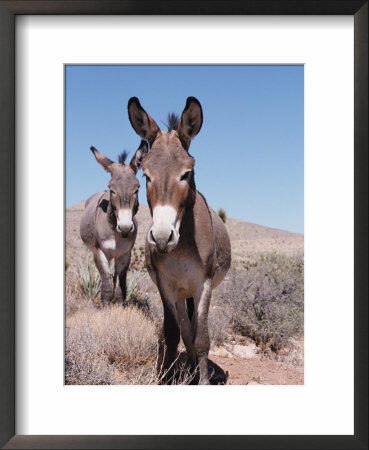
{"x": 87, "y": 226}
{"x": 222, "y": 249}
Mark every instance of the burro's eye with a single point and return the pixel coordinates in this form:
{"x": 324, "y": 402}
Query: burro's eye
{"x": 148, "y": 179}
{"x": 186, "y": 176}
{"x": 112, "y": 192}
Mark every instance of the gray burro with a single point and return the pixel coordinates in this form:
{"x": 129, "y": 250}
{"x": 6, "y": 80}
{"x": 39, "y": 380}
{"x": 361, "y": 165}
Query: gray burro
{"x": 187, "y": 250}
{"x": 108, "y": 225}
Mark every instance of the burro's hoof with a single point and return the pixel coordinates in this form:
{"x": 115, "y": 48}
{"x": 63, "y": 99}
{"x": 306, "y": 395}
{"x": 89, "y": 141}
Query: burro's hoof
{"x": 216, "y": 373}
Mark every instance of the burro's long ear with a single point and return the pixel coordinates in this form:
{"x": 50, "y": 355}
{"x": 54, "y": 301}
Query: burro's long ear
{"x": 140, "y": 154}
{"x": 107, "y": 163}
{"x": 141, "y": 122}
{"x": 191, "y": 121}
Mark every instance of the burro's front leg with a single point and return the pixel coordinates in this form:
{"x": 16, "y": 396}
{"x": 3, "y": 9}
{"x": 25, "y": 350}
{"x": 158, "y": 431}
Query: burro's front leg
{"x": 120, "y": 276}
{"x": 202, "y": 341}
{"x": 102, "y": 264}
{"x": 169, "y": 340}
{"x": 186, "y": 332}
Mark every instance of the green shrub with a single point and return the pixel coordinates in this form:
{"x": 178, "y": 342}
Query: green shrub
{"x": 89, "y": 278}
{"x": 222, "y": 214}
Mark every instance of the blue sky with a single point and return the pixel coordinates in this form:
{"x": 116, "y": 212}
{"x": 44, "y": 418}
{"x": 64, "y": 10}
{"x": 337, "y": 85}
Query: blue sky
{"x": 249, "y": 153}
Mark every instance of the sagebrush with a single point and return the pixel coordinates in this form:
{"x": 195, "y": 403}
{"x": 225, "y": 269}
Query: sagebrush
{"x": 264, "y": 299}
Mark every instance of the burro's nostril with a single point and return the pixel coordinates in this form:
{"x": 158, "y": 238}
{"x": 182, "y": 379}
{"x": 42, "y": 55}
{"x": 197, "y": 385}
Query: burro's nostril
{"x": 132, "y": 228}
{"x": 152, "y": 236}
{"x": 171, "y": 237}
{"x": 119, "y": 229}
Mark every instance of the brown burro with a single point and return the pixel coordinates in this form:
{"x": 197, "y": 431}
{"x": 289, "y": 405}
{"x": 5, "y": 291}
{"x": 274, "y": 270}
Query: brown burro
{"x": 187, "y": 251}
{"x": 108, "y": 225}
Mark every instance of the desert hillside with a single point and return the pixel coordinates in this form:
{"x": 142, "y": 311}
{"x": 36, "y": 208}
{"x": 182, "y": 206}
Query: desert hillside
{"x": 248, "y": 240}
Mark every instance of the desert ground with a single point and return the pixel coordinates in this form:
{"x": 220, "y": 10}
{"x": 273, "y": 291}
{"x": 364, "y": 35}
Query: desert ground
{"x": 249, "y": 354}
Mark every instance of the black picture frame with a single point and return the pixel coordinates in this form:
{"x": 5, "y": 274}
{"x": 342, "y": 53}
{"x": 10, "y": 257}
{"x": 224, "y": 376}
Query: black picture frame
{"x": 8, "y": 12}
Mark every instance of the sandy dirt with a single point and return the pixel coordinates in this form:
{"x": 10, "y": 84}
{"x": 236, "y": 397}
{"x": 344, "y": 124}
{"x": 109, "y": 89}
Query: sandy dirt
{"x": 241, "y": 358}
{"x": 245, "y": 365}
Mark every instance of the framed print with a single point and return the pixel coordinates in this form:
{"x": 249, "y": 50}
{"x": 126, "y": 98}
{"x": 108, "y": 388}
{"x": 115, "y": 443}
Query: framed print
{"x": 47, "y": 44}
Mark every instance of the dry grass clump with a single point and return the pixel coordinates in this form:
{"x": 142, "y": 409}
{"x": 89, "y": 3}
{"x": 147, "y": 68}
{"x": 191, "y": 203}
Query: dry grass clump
{"x": 265, "y": 300}
{"x": 75, "y": 299}
{"x": 110, "y": 345}
{"x": 114, "y": 345}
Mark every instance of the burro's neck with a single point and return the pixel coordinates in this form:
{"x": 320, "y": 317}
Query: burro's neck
{"x": 196, "y": 227}
{"x": 187, "y": 228}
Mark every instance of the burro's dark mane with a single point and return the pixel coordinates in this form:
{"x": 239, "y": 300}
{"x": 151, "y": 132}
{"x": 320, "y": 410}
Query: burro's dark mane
{"x": 122, "y": 157}
{"x": 172, "y": 121}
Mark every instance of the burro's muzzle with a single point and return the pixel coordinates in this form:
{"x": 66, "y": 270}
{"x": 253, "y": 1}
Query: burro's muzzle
{"x": 125, "y": 224}
{"x": 164, "y": 233}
